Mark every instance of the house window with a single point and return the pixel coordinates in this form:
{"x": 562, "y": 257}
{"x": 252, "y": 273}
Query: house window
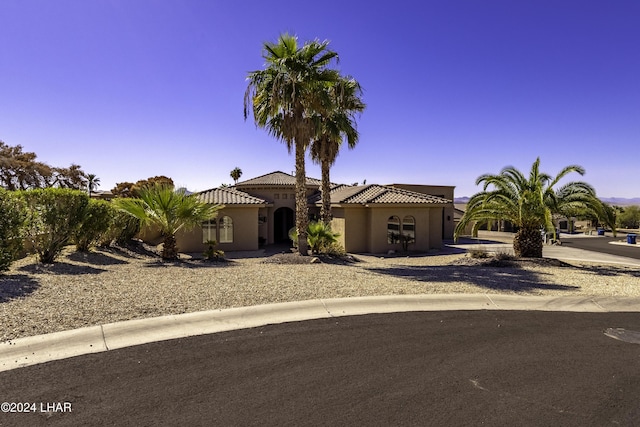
{"x": 276, "y": 196}
{"x": 284, "y": 196}
{"x": 209, "y": 230}
{"x": 225, "y": 226}
{"x": 409, "y": 228}
{"x": 393, "y": 230}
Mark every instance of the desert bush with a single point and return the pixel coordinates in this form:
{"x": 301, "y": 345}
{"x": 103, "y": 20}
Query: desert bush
{"x": 53, "y": 215}
{"x": 13, "y": 215}
{"x": 96, "y": 220}
{"x": 211, "y": 253}
{"x": 478, "y": 253}
{"x": 629, "y": 217}
{"x": 504, "y": 256}
{"x": 333, "y": 249}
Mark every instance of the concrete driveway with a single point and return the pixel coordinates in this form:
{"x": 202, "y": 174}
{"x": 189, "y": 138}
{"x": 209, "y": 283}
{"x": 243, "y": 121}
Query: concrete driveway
{"x": 575, "y": 247}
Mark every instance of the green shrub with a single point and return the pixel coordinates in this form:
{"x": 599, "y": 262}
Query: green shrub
{"x": 12, "y": 218}
{"x": 53, "y": 215}
{"x": 319, "y": 236}
{"x": 96, "y": 220}
{"x": 121, "y": 230}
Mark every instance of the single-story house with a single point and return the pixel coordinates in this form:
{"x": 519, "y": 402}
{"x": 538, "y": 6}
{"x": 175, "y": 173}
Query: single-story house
{"x": 370, "y": 218}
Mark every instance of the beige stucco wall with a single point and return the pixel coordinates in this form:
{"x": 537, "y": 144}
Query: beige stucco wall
{"x": 364, "y": 229}
{"x": 245, "y": 232}
{"x": 379, "y": 219}
{"x": 435, "y": 224}
{"x": 356, "y": 229}
{"x": 338, "y": 226}
{"x": 444, "y": 191}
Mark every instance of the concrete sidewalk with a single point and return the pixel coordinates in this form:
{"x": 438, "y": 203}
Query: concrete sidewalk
{"x": 43, "y": 348}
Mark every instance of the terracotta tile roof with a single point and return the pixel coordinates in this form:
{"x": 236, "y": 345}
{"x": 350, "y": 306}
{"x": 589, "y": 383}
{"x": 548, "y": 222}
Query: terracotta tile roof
{"x": 377, "y": 194}
{"x": 229, "y": 196}
{"x": 276, "y": 178}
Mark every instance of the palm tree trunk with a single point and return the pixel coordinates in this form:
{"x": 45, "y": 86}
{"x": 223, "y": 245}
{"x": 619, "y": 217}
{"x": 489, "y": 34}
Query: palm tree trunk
{"x": 169, "y": 248}
{"x": 325, "y": 210}
{"x": 527, "y": 243}
{"x": 302, "y": 210}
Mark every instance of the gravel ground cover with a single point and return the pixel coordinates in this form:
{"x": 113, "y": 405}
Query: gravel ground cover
{"x": 110, "y": 285}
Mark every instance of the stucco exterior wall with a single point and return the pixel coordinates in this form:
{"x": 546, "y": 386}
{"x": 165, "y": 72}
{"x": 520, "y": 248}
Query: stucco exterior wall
{"x": 356, "y": 234}
{"x": 444, "y": 191}
{"x": 435, "y": 224}
{"x": 338, "y": 226}
{"x": 364, "y": 229}
{"x": 379, "y": 217}
{"x": 245, "y": 232}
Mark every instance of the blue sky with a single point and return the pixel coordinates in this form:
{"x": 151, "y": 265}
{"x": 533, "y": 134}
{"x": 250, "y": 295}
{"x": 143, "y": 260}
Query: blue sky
{"x": 135, "y": 88}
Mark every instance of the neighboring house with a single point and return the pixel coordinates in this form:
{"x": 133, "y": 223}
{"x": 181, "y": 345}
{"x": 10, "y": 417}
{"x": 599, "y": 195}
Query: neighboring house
{"x": 370, "y": 218}
{"x": 102, "y": 195}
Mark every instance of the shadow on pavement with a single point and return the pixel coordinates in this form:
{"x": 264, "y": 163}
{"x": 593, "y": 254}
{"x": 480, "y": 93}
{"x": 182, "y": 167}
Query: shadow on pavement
{"x": 509, "y": 278}
{"x": 609, "y": 270}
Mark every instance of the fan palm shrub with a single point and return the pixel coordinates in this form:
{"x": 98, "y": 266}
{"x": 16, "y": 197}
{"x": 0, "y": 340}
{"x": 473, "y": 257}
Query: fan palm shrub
{"x": 169, "y": 211}
{"x": 320, "y": 238}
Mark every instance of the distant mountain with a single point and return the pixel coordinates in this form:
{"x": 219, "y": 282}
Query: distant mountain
{"x": 618, "y": 201}
{"x": 621, "y": 201}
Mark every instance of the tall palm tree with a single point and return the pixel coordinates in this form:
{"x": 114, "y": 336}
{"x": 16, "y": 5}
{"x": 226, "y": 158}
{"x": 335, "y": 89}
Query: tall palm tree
{"x": 284, "y": 96}
{"x": 528, "y": 203}
{"x": 170, "y": 211}
{"x": 92, "y": 183}
{"x": 236, "y": 173}
{"x": 335, "y": 126}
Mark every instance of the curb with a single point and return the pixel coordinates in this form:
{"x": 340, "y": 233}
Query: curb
{"x": 28, "y": 351}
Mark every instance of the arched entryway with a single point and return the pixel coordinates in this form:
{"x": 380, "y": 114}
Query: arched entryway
{"x": 282, "y": 223}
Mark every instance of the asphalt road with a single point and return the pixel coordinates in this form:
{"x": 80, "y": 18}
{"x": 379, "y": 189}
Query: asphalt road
{"x": 429, "y": 369}
{"x": 601, "y": 244}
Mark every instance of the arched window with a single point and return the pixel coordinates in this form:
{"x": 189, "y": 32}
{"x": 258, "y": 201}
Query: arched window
{"x": 225, "y": 226}
{"x": 393, "y": 230}
{"x": 409, "y": 228}
{"x": 209, "y": 230}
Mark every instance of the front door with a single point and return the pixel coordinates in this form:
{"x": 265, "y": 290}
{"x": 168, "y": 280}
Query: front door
{"x": 282, "y": 223}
